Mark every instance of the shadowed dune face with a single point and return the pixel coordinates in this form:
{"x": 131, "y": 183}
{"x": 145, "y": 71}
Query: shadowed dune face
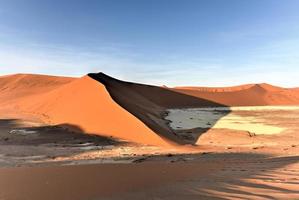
{"x": 149, "y": 104}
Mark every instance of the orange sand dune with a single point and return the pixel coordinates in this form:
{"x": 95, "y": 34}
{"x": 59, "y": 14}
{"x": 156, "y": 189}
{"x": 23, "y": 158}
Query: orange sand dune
{"x": 149, "y": 103}
{"x": 216, "y": 89}
{"x": 13, "y": 87}
{"x": 107, "y": 107}
{"x": 232, "y": 88}
{"x": 86, "y": 104}
{"x": 245, "y": 95}
{"x": 102, "y": 105}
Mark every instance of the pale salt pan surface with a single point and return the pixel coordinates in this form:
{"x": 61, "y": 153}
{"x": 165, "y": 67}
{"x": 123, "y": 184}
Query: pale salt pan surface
{"x": 182, "y": 119}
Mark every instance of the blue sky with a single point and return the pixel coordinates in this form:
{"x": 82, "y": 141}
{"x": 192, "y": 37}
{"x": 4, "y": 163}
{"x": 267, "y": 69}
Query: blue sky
{"x": 171, "y": 42}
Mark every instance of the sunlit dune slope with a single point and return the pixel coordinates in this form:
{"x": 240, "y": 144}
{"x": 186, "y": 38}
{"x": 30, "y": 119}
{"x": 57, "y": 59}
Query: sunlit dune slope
{"x": 19, "y": 86}
{"x": 245, "y": 95}
{"x": 86, "y": 105}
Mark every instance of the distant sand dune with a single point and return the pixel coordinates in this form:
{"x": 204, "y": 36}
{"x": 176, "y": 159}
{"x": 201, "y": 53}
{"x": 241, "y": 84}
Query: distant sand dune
{"x": 245, "y": 95}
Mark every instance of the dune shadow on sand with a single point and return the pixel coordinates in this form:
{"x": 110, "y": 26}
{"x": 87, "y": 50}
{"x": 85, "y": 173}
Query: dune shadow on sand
{"x": 13, "y": 131}
{"x": 263, "y": 177}
{"x": 150, "y": 104}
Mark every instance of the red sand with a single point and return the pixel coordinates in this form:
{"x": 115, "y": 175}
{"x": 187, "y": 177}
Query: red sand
{"x": 129, "y": 111}
{"x": 109, "y": 107}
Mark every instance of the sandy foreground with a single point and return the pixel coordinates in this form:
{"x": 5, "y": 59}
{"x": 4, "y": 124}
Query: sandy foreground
{"x": 217, "y": 176}
{"x": 39, "y": 161}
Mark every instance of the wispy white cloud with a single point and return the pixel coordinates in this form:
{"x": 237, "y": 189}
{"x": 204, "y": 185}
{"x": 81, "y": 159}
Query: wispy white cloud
{"x": 56, "y": 60}
{"x": 275, "y": 63}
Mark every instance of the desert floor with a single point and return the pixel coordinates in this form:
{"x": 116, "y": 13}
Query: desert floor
{"x": 232, "y": 158}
